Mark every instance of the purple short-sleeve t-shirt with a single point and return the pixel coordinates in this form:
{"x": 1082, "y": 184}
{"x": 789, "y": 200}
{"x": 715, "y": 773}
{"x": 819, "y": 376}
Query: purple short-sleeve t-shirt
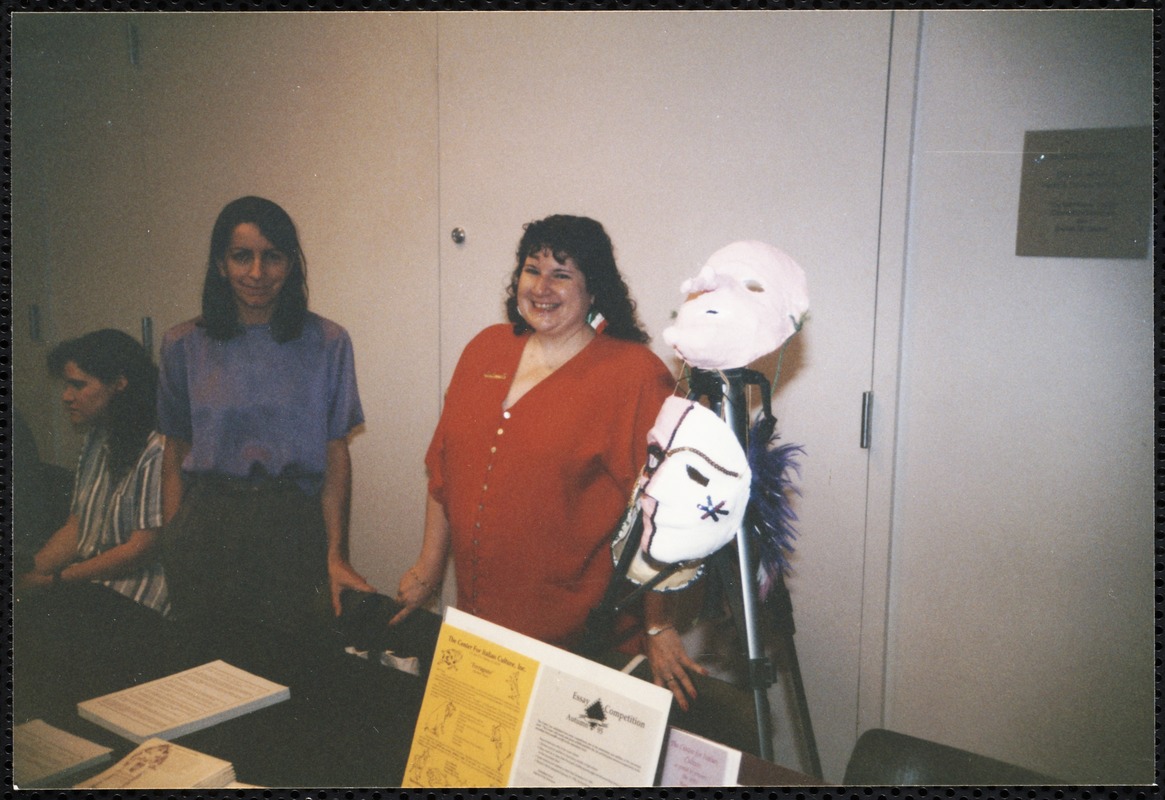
{"x": 252, "y": 406}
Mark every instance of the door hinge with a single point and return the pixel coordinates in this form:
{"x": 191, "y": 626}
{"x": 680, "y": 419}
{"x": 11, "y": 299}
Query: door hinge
{"x": 867, "y": 409}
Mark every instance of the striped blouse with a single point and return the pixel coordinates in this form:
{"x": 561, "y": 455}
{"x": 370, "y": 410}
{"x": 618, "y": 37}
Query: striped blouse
{"x": 108, "y": 512}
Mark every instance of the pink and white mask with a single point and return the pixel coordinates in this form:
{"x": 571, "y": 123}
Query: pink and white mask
{"x": 695, "y": 495}
{"x": 743, "y": 304}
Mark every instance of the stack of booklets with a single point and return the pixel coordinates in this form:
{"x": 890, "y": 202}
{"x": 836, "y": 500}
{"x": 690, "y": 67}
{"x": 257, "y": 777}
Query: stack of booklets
{"x": 158, "y": 764}
{"x": 183, "y": 702}
{"x": 45, "y": 756}
{"x": 149, "y": 715}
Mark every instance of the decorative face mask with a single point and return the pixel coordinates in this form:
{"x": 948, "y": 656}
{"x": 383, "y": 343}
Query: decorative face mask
{"x": 743, "y": 304}
{"x": 695, "y": 494}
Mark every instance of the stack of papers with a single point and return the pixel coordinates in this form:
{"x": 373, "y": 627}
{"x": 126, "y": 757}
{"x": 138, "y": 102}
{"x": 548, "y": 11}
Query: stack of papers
{"x": 158, "y": 764}
{"x": 183, "y": 702}
{"x": 44, "y": 756}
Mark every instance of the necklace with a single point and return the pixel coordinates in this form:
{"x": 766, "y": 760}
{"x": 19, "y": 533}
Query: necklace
{"x": 536, "y": 363}
{"x": 551, "y": 358}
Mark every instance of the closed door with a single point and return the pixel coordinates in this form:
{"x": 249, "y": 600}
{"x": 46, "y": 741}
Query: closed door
{"x": 682, "y": 132}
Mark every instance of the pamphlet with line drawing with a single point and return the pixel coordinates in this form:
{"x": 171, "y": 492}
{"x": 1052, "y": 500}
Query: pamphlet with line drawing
{"x": 501, "y": 709}
{"x": 159, "y": 764}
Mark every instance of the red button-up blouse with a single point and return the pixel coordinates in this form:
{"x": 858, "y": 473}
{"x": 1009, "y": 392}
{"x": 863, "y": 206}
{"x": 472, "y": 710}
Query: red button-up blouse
{"x": 534, "y": 493}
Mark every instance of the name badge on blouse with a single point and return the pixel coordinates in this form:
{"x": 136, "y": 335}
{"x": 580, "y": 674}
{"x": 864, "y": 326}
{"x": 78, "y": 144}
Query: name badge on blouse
{"x": 497, "y": 376}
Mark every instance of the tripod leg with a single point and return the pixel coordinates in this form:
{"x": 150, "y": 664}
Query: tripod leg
{"x": 760, "y": 676}
{"x": 760, "y": 670}
{"x": 803, "y": 721}
{"x": 780, "y": 607}
{"x": 725, "y": 393}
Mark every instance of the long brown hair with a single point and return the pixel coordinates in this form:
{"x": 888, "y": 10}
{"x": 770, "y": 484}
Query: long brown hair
{"x": 107, "y": 355}
{"x": 584, "y": 240}
{"x": 220, "y": 316}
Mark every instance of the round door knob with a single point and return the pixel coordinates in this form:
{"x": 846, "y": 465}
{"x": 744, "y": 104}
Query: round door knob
{"x": 458, "y": 235}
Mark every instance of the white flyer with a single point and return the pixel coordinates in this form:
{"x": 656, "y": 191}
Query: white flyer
{"x": 504, "y": 710}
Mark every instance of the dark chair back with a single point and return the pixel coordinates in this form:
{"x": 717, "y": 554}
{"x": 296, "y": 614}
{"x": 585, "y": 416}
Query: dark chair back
{"x": 886, "y": 758}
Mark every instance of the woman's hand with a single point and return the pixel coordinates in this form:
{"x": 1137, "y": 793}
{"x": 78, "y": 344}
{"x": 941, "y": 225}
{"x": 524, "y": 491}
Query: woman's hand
{"x": 342, "y": 576}
{"x": 414, "y": 591}
{"x": 423, "y": 579}
{"x": 334, "y": 499}
{"x": 30, "y": 582}
{"x": 670, "y": 665}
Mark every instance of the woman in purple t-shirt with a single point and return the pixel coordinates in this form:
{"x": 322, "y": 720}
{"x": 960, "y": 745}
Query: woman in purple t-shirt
{"x": 256, "y": 399}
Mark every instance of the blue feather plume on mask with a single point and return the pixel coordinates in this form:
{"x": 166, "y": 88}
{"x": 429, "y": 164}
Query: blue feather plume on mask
{"x": 770, "y": 512}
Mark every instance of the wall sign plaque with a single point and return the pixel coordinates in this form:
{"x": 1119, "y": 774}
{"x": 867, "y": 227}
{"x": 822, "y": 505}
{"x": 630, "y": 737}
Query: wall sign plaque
{"x": 1086, "y": 193}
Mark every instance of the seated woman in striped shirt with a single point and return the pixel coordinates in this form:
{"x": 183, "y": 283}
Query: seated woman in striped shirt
{"x": 111, "y": 534}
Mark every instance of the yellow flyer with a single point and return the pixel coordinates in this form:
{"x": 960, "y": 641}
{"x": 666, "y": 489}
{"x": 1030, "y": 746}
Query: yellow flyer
{"x": 471, "y": 713}
{"x": 503, "y": 710}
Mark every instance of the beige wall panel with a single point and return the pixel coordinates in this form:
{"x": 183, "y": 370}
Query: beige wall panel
{"x": 1021, "y": 619}
{"x": 73, "y": 151}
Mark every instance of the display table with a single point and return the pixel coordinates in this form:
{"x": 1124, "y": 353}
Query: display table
{"x": 348, "y": 723}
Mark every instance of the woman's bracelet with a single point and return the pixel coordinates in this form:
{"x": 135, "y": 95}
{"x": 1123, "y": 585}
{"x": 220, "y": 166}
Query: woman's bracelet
{"x": 422, "y": 581}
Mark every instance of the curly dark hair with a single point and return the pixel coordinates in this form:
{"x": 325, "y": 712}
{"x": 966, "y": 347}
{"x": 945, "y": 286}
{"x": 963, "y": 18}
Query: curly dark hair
{"x": 584, "y": 240}
{"x": 220, "y": 316}
{"x": 107, "y": 355}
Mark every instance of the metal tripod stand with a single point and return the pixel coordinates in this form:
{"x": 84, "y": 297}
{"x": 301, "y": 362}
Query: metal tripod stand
{"x": 734, "y": 568}
{"x": 737, "y": 571}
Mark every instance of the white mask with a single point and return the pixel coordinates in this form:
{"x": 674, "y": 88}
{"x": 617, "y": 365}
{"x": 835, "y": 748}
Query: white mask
{"x": 695, "y": 495}
{"x": 743, "y": 304}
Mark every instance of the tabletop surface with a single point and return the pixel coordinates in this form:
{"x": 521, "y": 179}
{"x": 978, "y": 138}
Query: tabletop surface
{"x": 348, "y": 723}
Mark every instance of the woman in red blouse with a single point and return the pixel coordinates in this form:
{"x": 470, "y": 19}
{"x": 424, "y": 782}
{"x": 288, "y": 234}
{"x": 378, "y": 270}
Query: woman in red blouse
{"x": 540, "y": 441}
